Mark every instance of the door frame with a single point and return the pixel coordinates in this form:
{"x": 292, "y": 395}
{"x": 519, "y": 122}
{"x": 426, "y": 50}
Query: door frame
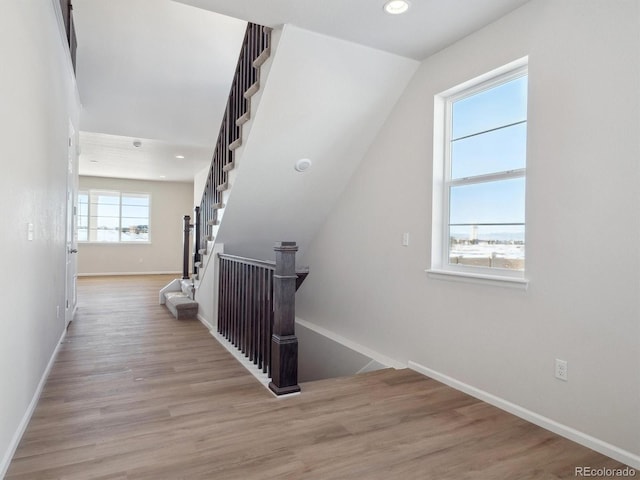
{"x": 71, "y": 240}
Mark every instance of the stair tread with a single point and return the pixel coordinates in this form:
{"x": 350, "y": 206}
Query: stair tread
{"x": 235, "y": 144}
{"x": 180, "y": 305}
{"x": 243, "y": 119}
{"x": 266, "y": 53}
{"x": 252, "y": 90}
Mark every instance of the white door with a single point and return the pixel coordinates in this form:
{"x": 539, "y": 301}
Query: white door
{"x": 71, "y": 240}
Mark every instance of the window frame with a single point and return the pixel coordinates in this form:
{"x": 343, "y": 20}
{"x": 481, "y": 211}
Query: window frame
{"x": 442, "y": 181}
{"x": 120, "y": 193}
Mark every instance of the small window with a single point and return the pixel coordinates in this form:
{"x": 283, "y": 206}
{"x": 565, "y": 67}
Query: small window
{"x": 112, "y": 217}
{"x": 482, "y": 163}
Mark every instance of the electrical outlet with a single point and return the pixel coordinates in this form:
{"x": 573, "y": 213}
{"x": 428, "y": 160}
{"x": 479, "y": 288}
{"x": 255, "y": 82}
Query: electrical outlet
{"x": 405, "y": 239}
{"x": 561, "y": 370}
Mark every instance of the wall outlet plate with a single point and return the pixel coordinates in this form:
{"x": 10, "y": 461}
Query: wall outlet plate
{"x": 561, "y": 370}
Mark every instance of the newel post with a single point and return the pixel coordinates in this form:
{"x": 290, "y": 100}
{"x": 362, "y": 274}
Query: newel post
{"x": 196, "y": 239}
{"x": 284, "y": 344}
{"x": 185, "y": 247}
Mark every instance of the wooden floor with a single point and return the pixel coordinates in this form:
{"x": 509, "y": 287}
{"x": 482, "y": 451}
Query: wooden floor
{"x": 136, "y": 394}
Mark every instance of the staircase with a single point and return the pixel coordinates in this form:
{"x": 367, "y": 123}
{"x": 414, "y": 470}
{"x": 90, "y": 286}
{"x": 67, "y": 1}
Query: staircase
{"x": 180, "y": 297}
{"x": 181, "y": 303}
{"x": 353, "y": 89}
{"x": 234, "y": 129}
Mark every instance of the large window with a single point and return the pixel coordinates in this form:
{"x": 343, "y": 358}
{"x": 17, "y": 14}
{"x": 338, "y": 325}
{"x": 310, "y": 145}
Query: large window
{"x": 483, "y": 168}
{"x": 111, "y": 216}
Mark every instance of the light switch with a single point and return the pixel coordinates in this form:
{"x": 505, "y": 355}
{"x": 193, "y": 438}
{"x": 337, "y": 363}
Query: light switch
{"x": 405, "y": 239}
{"x": 30, "y": 231}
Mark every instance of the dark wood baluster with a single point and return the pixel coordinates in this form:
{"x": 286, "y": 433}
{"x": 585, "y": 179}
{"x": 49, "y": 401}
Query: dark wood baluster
{"x": 232, "y": 294}
{"x": 264, "y": 320}
{"x": 250, "y": 313}
{"x": 243, "y": 313}
{"x": 236, "y": 303}
{"x": 227, "y": 298}
{"x": 224, "y": 299}
{"x": 223, "y": 288}
{"x": 256, "y": 314}
{"x": 258, "y": 306}
{"x": 269, "y": 321}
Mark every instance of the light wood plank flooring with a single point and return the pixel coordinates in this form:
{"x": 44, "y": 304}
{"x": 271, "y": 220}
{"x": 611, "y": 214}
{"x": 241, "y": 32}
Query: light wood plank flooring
{"x": 136, "y": 394}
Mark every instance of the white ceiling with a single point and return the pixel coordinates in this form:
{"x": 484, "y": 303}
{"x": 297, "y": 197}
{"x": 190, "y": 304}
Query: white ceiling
{"x": 116, "y": 156}
{"x": 428, "y": 25}
{"x": 155, "y": 70}
{"x": 161, "y": 70}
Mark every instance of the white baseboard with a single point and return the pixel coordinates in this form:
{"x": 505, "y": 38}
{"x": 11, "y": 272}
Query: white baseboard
{"x": 122, "y": 274}
{"x": 345, "y": 342}
{"x": 206, "y": 323}
{"x": 15, "y": 441}
{"x": 577, "y": 436}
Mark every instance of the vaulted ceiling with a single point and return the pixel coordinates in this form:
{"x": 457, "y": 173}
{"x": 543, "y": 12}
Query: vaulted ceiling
{"x": 159, "y": 71}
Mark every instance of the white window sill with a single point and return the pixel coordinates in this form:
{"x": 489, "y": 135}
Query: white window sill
{"x": 102, "y": 244}
{"x": 478, "y": 278}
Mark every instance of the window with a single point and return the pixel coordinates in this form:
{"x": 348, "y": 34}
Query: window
{"x": 111, "y": 216}
{"x": 481, "y": 181}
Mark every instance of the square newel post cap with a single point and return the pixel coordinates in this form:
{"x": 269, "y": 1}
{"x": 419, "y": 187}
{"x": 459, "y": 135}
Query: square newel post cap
{"x": 285, "y": 247}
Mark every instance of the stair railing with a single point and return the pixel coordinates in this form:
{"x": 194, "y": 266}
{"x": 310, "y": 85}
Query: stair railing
{"x": 255, "y": 49}
{"x": 256, "y": 312}
{"x": 186, "y": 229}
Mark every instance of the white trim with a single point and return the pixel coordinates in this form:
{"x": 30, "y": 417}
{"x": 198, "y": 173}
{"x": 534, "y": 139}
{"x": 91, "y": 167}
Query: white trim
{"x": 101, "y": 243}
{"x": 345, "y": 342}
{"x": 480, "y": 82}
{"x": 489, "y": 177}
{"x": 479, "y": 278}
{"x": 122, "y": 274}
{"x": 443, "y": 183}
{"x": 577, "y": 436}
{"x": 246, "y": 363}
{"x": 24, "y": 423}
{"x": 206, "y": 323}
{"x": 174, "y": 285}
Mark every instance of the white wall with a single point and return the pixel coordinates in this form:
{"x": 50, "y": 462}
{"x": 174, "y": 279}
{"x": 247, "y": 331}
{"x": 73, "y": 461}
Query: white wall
{"x": 170, "y": 201}
{"x": 199, "y": 182}
{"x": 38, "y": 99}
{"x": 323, "y": 99}
{"x": 582, "y": 229}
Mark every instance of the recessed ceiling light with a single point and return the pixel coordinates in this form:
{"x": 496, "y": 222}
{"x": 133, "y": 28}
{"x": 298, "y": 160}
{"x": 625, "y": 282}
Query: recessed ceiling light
{"x": 180, "y": 156}
{"x": 302, "y": 165}
{"x": 396, "y": 7}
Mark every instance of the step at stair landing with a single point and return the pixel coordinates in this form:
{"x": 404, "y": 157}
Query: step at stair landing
{"x": 178, "y": 296}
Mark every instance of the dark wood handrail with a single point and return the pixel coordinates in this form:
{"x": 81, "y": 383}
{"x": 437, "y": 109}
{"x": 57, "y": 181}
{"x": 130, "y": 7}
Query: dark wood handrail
{"x": 249, "y": 261}
{"x": 256, "y": 312}
{"x": 300, "y": 271}
{"x": 255, "y": 46}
